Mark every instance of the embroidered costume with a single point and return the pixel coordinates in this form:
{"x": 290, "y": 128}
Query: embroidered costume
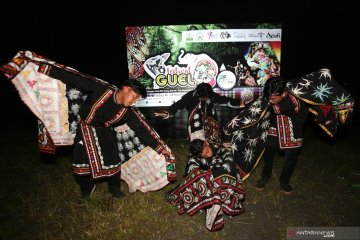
{"x": 75, "y": 108}
{"x": 202, "y": 119}
{"x": 213, "y": 185}
{"x": 317, "y": 92}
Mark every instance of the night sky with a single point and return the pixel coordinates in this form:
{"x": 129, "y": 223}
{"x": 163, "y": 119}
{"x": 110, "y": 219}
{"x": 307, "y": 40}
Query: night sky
{"x": 90, "y": 36}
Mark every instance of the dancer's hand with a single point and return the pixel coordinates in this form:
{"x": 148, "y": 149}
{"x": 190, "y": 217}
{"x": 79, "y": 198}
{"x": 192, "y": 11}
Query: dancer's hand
{"x": 165, "y": 152}
{"x": 164, "y": 114}
{"x": 227, "y": 144}
{"x": 242, "y": 103}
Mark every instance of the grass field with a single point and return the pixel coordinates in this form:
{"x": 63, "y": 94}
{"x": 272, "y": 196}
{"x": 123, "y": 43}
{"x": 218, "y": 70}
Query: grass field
{"x": 40, "y": 200}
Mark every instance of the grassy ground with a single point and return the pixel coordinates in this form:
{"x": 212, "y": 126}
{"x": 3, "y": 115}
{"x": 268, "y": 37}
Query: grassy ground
{"x": 40, "y": 200}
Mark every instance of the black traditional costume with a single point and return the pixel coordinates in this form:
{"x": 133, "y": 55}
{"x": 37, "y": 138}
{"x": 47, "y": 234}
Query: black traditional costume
{"x": 213, "y": 185}
{"x": 202, "y": 119}
{"x": 322, "y": 95}
{"x": 109, "y": 137}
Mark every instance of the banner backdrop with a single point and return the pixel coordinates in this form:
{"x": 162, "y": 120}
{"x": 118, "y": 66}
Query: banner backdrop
{"x": 236, "y": 60}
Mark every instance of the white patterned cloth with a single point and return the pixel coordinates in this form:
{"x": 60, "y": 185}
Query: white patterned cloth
{"x": 146, "y": 171}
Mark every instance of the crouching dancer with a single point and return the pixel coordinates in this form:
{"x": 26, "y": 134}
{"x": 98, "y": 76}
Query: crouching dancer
{"x": 212, "y": 182}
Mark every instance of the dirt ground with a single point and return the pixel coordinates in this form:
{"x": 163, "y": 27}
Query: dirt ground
{"x": 326, "y": 191}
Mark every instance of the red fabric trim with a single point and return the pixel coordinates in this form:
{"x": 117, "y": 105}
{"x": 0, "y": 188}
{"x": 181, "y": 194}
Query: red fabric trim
{"x": 285, "y": 134}
{"x": 117, "y": 117}
{"x": 98, "y": 104}
{"x": 93, "y": 155}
